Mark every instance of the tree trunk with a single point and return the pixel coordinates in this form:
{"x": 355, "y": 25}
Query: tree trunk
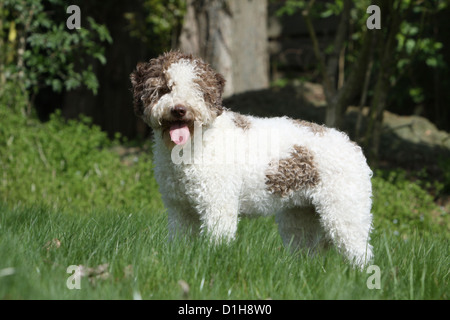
{"x": 355, "y": 80}
{"x": 232, "y": 36}
{"x": 338, "y": 98}
{"x": 387, "y": 52}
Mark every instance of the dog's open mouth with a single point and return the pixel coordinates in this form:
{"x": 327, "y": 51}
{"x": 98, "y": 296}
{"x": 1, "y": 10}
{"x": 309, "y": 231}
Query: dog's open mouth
{"x": 179, "y": 132}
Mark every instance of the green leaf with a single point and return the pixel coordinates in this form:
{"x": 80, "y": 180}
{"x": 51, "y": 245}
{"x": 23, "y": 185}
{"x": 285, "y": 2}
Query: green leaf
{"x": 100, "y": 57}
{"x": 56, "y": 85}
{"x": 432, "y": 62}
{"x": 327, "y": 13}
{"x": 410, "y": 44}
{"x": 72, "y": 83}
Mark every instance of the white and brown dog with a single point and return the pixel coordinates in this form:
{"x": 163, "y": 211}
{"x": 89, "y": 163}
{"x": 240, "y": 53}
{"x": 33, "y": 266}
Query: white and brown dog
{"x": 214, "y": 165}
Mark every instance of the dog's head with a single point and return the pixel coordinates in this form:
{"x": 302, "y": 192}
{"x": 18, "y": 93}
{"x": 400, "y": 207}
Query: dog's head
{"x": 174, "y": 90}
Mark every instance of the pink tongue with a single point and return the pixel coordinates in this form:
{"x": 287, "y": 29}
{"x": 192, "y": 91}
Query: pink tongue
{"x": 179, "y": 133}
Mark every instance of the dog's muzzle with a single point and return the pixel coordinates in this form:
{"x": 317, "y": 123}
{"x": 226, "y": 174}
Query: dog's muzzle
{"x": 178, "y": 111}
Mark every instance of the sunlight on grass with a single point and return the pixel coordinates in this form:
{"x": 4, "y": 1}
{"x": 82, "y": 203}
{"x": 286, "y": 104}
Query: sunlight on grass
{"x": 134, "y": 257}
{"x": 80, "y": 203}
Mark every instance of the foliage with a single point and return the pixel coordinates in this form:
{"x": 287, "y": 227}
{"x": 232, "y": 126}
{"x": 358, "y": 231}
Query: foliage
{"x": 69, "y": 165}
{"x": 318, "y": 10}
{"x": 444, "y": 164}
{"x": 37, "y": 49}
{"x": 158, "y": 23}
{"x": 401, "y": 206}
{"x": 415, "y": 44}
{"x": 419, "y": 50}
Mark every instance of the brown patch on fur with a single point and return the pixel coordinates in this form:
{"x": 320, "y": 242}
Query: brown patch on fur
{"x": 150, "y": 83}
{"x": 241, "y": 121}
{"x": 212, "y": 84}
{"x": 296, "y": 172}
{"x": 313, "y": 127}
{"x": 149, "y": 80}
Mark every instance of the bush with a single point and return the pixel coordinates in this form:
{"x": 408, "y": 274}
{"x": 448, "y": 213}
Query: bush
{"x": 37, "y": 49}
{"x": 69, "y": 164}
{"x": 402, "y": 207}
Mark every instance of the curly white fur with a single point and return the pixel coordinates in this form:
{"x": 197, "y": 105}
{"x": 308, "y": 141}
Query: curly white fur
{"x": 217, "y": 178}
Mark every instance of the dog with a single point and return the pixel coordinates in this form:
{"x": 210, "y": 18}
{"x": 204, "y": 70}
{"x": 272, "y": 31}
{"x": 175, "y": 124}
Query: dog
{"x": 214, "y": 165}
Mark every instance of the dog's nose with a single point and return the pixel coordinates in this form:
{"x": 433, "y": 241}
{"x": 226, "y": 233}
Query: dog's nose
{"x": 178, "y": 111}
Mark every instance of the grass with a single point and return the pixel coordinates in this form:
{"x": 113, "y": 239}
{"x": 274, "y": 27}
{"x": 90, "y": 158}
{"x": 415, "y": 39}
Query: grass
{"x": 68, "y": 199}
{"x": 141, "y": 263}
{"x": 69, "y": 164}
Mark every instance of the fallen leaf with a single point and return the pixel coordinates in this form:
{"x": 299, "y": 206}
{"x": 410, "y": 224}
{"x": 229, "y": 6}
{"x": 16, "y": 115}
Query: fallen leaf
{"x": 52, "y": 244}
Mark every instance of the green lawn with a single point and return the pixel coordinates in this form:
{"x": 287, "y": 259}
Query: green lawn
{"x": 38, "y": 245}
{"x": 69, "y": 196}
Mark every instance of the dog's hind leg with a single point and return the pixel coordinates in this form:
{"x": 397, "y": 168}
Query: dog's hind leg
{"x": 300, "y": 229}
{"x": 347, "y": 221}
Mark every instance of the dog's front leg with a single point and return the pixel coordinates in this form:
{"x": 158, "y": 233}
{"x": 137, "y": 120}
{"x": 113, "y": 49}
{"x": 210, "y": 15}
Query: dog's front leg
{"x": 219, "y": 220}
{"x": 218, "y": 207}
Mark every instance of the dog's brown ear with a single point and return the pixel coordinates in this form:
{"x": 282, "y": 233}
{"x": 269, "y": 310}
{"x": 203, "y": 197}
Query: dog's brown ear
{"x": 146, "y": 76}
{"x": 137, "y": 78}
{"x": 220, "y": 83}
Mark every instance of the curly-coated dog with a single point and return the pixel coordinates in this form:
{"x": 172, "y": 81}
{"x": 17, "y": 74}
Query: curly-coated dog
{"x": 214, "y": 165}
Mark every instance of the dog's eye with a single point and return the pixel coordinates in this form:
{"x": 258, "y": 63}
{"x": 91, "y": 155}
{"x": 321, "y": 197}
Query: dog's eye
{"x": 154, "y": 93}
{"x": 163, "y": 90}
{"x": 159, "y": 91}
